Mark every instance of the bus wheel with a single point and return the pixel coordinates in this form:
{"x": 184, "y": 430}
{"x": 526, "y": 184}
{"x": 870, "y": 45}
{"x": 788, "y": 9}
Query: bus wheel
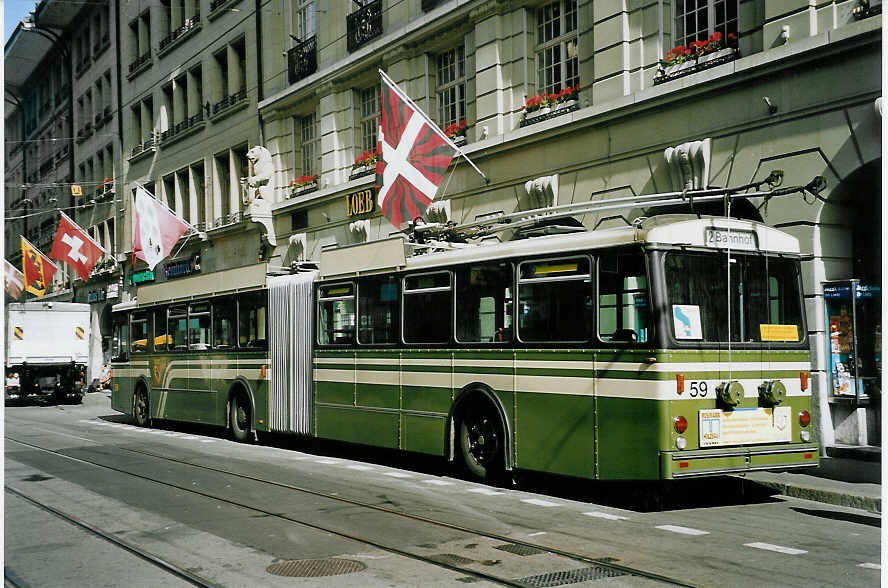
{"x": 140, "y": 408}
{"x": 239, "y": 417}
{"x": 481, "y": 440}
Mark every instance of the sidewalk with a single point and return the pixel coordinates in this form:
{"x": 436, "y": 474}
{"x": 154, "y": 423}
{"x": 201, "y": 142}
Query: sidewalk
{"x": 843, "y": 481}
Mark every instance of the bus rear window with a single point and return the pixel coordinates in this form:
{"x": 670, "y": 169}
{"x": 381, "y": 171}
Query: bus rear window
{"x": 760, "y": 294}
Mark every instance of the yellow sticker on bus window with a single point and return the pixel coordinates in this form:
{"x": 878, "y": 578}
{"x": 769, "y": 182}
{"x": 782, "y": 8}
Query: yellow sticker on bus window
{"x": 779, "y": 332}
{"x": 542, "y": 270}
{"x": 338, "y": 291}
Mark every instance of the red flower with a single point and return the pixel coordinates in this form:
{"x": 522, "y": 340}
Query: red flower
{"x": 716, "y": 37}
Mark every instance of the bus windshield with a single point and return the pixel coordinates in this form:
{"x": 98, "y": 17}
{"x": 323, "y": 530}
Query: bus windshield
{"x": 759, "y": 293}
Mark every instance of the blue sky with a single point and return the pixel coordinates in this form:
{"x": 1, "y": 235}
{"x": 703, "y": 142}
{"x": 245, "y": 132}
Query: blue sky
{"x": 13, "y": 12}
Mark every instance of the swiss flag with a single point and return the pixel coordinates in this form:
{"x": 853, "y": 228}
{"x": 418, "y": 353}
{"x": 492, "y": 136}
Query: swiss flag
{"x": 414, "y": 157}
{"x": 75, "y": 247}
{"x": 155, "y": 229}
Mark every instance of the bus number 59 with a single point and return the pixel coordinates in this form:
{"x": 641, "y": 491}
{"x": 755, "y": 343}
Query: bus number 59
{"x": 699, "y": 389}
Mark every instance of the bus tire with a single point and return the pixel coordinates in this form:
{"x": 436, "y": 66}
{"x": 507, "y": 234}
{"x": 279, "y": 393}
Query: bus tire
{"x": 239, "y": 418}
{"x": 481, "y": 440}
{"x": 141, "y": 409}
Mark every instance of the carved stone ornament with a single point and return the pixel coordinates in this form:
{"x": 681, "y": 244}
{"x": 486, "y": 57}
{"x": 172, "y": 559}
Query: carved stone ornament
{"x": 689, "y": 165}
{"x": 259, "y": 191}
{"x": 543, "y": 191}
{"x": 358, "y": 230}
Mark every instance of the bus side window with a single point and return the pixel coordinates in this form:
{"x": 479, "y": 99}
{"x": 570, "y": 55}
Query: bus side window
{"x": 336, "y": 314}
{"x": 223, "y": 323}
{"x": 428, "y": 304}
{"x": 484, "y": 303}
{"x": 161, "y": 339}
{"x": 251, "y": 321}
{"x": 199, "y": 326}
{"x": 378, "y": 304}
{"x": 119, "y": 339}
{"x": 623, "y": 301}
{"x": 139, "y": 338}
{"x": 177, "y": 328}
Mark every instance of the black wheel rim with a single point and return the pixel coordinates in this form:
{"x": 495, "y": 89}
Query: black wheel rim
{"x": 482, "y": 440}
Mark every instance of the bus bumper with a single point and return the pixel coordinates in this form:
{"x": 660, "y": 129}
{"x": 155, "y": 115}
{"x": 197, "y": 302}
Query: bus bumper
{"x": 737, "y": 460}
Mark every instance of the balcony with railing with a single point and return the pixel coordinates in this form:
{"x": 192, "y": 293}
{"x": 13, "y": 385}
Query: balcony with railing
{"x": 183, "y": 128}
{"x": 217, "y": 6}
{"x": 302, "y": 60}
{"x": 140, "y": 64}
{"x": 228, "y": 103}
{"x": 144, "y": 148}
{"x": 190, "y": 26}
{"x": 364, "y": 24}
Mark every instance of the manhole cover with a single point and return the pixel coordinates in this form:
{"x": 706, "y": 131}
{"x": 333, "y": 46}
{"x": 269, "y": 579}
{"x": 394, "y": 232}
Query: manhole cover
{"x": 571, "y": 576}
{"x": 521, "y": 550}
{"x": 451, "y": 559}
{"x": 315, "y": 568}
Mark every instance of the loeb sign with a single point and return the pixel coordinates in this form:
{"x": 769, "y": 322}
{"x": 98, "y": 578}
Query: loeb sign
{"x": 360, "y": 202}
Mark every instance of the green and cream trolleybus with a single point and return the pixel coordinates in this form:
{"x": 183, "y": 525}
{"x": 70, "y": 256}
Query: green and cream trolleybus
{"x": 675, "y": 347}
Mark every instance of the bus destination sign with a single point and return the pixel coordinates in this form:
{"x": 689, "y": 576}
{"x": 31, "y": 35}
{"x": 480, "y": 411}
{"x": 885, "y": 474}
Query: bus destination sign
{"x": 730, "y": 239}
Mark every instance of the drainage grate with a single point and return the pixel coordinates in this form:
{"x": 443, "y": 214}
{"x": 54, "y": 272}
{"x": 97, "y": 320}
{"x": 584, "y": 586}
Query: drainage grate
{"x": 521, "y": 550}
{"x": 570, "y": 576}
{"x": 314, "y": 568}
{"x": 451, "y": 559}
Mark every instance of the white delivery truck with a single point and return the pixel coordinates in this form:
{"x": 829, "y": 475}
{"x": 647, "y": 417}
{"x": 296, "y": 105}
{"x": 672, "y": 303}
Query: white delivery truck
{"x": 47, "y": 349}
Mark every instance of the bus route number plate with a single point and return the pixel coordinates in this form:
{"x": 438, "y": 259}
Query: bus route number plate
{"x": 745, "y": 425}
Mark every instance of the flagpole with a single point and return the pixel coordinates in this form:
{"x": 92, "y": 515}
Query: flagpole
{"x": 403, "y": 96}
{"x": 171, "y": 211}
{"x": 86, "y": 234}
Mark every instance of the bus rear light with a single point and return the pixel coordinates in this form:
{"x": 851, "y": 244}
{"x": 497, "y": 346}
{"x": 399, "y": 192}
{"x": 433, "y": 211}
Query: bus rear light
{"x": 804, "y": 418}
{"x": 805, "y": 436}
{"x": 681, "y": 424}
{"x": 679, "y": 384}
{"x": 681, "y": 443}
{"x": 803, "y": 380}
{"x": 809, "y": 456}
{"x": 684, "y": 464}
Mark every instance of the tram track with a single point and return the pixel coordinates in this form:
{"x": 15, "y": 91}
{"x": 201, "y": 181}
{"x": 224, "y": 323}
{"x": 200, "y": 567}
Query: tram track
{"x": 139, "y": 552}
{"x": 606, "y": 565}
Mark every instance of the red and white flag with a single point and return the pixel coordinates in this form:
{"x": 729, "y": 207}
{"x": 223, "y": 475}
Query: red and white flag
{"x": 155, "y": 229}
{"x": 13, "y": 279}
{"x": 75, "y": 247}
{"x": 414, "y": 156}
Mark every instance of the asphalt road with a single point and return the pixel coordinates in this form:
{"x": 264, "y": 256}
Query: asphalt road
{"x": 91, "y": 500}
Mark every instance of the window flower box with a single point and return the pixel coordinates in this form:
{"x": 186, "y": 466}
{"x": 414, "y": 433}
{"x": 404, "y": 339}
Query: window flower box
{"x": 681, "y": 60}
{"x": 364, "y": 165}
{"x": 546, "y": 106}
{"x": 303, "y": 185}
{"x": 456, "y": 132}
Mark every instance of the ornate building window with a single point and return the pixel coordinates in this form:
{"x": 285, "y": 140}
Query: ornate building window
{"x": 697, "y": 20}
{"x": 451, "y": 89}
{"x": 556, "y": 51}
{"x": 369, "y": 117}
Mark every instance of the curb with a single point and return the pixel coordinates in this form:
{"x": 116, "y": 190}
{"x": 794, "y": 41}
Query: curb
{"x": 867, "y": 503}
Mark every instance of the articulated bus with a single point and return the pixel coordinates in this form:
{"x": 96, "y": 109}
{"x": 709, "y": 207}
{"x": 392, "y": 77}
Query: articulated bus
{"x": 673, "y": 348}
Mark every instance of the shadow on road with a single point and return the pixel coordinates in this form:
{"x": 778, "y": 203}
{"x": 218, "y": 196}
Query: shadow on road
{"x": 871, "y": 520}
{"x": 640, "y": 496}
